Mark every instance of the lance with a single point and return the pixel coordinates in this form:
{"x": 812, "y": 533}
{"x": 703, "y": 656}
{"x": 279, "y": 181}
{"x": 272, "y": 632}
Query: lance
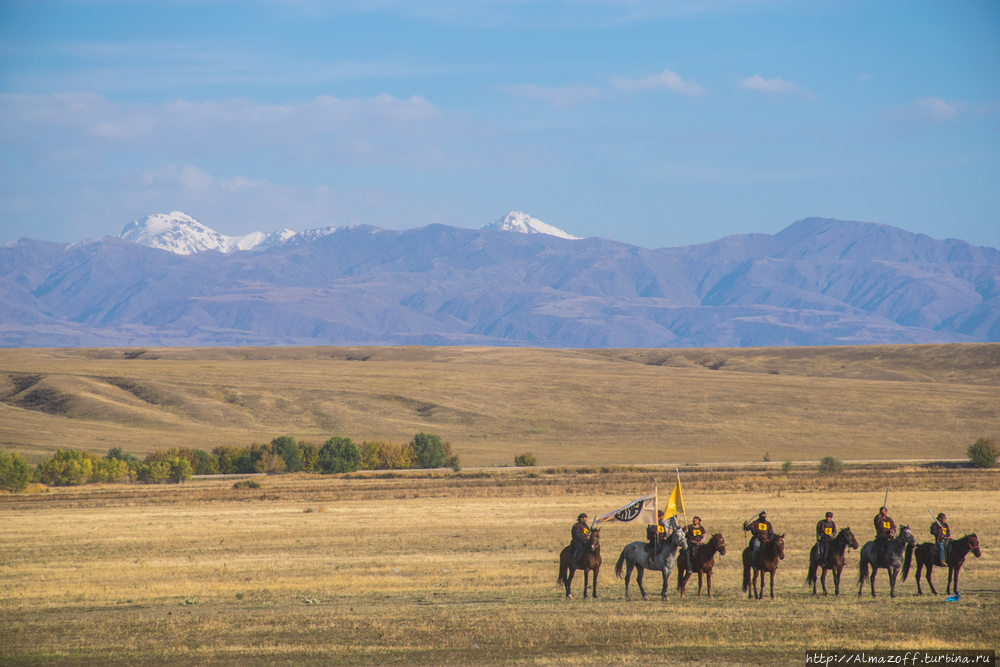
{"x": 885, "y": 501}
{"x": 935, "y": 518}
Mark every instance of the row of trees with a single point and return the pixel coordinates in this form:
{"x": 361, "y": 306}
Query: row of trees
{"x": 177, "y": 464}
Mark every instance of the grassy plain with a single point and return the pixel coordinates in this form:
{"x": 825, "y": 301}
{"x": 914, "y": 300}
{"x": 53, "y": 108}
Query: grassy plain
{"x": 457, "y": 569}
{"x": 567, "y": 407}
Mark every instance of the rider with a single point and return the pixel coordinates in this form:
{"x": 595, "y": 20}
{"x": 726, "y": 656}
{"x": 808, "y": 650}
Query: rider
{"x": 581, "y": 536}
{"x": 760, "y": 531}
{"x": 657, "y": 534}
{"x": 885, "y": 530}
{"x": 825, "y": 530}
{"x": 942, "y": 535}
{"x": 695, "y": 533}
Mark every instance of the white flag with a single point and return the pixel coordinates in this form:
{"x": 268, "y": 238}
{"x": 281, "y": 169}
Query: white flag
{"x": 640, "y": 510}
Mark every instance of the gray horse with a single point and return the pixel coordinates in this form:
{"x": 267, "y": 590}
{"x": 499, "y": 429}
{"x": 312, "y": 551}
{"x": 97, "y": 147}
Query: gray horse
{"x": 891, "y": 560}
{"x": 635, "y": 555}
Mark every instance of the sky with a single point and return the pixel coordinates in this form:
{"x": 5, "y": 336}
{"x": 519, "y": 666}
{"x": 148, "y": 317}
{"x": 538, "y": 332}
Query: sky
{"x": 655, "y": 123}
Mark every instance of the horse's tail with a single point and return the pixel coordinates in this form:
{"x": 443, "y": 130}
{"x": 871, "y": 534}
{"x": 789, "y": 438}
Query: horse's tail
{"x": 746, "y": 575}
{"x": 813, "y": 566}
{"x": 862, "y": 567}
{"x": 620, "y": 564}
{"x": 907, "y": 560}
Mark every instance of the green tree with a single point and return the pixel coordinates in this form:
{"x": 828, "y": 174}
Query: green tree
{"x": 180, "y": 469}
{"x": 289, "y": 450}
{"x": 310, "y": 456}
{"x": 67, "y": 467}
{"x": 526, "y": 459}
{"x": 15, "y": 472}
{"x": 983, "y": 453}
{"x": 382, "y": 455}
{"x": 431, "y": 452}
{"x": 111, "y": 471}
{"x": 339, "y": 454}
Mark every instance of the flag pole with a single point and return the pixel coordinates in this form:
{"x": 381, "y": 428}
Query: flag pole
{"x": 684, "y": 511}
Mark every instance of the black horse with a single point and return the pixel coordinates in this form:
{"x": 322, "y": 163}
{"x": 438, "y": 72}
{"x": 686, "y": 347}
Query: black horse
{"x": 834, "y": 560}
{"x": 926, "y": 552}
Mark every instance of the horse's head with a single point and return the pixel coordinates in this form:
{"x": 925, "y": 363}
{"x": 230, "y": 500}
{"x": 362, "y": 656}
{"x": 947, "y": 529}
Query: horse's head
{"x": 720, "y": 543}
{"x": 679, "y": 539}
{"x": 849, "y": 538}
{"x": 906, "y": 536}
{"x": 974, "y": 545}
{"x": 779, "y": 546}
{"x": 595, "y": 539}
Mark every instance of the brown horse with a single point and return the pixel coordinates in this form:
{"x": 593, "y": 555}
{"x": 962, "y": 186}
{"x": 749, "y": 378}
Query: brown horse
{"x": 771, "y": 552}
{"x": 590, "y": 561}
{"x": 925, "y": 555}
{"x": 834, "y": 560}
{"x": 703, "y": 562}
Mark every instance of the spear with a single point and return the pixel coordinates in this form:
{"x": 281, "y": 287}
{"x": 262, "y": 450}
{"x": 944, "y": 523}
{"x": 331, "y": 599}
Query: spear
{"x": 885, "y": 501}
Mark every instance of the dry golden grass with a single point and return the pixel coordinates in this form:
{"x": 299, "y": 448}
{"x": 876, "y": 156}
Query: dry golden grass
{"x": 452, "y": 569}
{"x": 601, "y": 407}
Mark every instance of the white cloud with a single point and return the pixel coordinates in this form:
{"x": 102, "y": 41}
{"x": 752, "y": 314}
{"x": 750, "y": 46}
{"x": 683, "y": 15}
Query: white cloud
{"x": 925, "y": 110}
{"x": 775, "y": 85}
{"x": 83, "y": 128}
{"x": 667, "y": 80}
{"x": 562, "y": 97}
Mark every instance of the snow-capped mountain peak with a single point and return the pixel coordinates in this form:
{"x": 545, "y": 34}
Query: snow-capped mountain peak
{"x": 516, "y": 221}
{"x": 181, "y": 234}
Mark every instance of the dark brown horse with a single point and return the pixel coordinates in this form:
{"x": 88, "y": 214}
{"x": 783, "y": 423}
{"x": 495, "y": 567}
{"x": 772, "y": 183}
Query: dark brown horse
{"x": 703, "y": 562}
{"x": 771, "y": 552}
{"x": 590, "y": 561}
{"x": 925, "y": 555}
{"x": 834, "y": 560}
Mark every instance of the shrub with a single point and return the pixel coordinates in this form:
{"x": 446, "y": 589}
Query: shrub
{"x": 831, "y": 466}
{"x": 339, "y": 455}
{"x": 248, "y": 484}
{"x": 983, "y": 453}
{"x": 767, "y": 457}
{"x": 526, "y": 459}
{"x": 786, "y": 467}
{"x": 15, "y": 472}
{"x": 381, "y": 455}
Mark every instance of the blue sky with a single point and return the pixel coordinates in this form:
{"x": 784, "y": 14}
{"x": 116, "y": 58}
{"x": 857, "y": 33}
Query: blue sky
{"x": 655, "y": 123}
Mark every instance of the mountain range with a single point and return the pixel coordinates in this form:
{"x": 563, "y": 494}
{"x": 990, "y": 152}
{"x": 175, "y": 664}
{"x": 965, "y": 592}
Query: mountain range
{"x": 169, "y": 280}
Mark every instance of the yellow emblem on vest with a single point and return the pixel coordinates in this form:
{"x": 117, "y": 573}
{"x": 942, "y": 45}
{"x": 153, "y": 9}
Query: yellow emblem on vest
{"x": 762, "y": 526}
{"x": 886, "y": 525}
{"x": 828, "y": 530}
{"x": 696, "y": 532}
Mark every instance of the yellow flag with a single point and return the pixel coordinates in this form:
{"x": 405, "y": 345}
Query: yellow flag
{"x": 675, "y": 504}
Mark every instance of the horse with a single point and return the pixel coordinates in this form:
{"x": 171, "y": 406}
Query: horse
{"x": 891, "y": 560}
{"x": 590, "y": 561}
{"x": 925, "y": 555}
{"x": 834, "y": 560}
{"x": 636, "y": 556}
{"x": 702, "y": 562}
{"x": 771, "y": 552}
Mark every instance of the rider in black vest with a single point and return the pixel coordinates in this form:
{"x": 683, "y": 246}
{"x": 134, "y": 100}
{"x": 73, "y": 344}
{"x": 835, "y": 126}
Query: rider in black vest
{"x": 825, "y": 530}
{"x": 885, "y": 530}
{"x": 942, "y": 536}
{"x": 581, "y": 536}
{"x": 761, "y": 531}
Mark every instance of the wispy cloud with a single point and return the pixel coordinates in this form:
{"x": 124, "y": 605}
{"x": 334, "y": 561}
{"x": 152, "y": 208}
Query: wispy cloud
{"x": 561, "y": 97}
{"x": 666, "y": 80}
{"x": 378, "y": 130}
{"x": 925, "y": 110}
{"x": 775, "y": 85}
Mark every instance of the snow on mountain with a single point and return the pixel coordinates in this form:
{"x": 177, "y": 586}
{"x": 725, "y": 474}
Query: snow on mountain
{"x": 181, "y": 234}
{"x": 516, "y": 221}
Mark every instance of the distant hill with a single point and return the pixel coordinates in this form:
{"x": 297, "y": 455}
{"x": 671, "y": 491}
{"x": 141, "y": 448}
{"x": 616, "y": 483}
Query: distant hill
{"x": 817, "y": 282}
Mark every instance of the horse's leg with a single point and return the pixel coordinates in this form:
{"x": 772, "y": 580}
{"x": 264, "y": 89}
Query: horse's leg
{"x": 920, "y": 569}
{"x": 709, "y": 575}
{"x": 628, "y": 577}
{"x": 955, "y": 581}
{"x": 872, "y": 579}
{"x": 772, "y": 583}
{"x": 836, "y": 580}
{"x": 930, "y": 568}
{"x": 595, "y": 583}
{"x": 586, "y": 582}
{"x": 822, "y": 581}
{"x": 892, "y": 581}
{"x": 639, "y": 571}
{"x": 569, "y": 583}
{"x": 682, "y": 579}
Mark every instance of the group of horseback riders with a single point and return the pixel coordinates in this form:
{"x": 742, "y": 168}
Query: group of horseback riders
{"x": 761, "y": 531}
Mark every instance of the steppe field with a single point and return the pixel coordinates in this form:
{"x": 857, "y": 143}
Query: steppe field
{"x": 459, "y": 568}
